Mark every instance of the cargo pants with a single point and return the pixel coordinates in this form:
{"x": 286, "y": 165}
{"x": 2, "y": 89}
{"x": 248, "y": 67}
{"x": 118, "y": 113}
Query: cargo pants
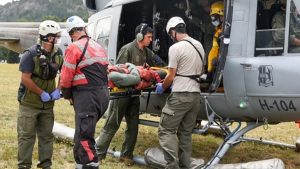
{"x": 90, "y": 103}
{"x": 128, "y": 107}
{"x": 34, "y": 122}
{"x": 175, "y": 128}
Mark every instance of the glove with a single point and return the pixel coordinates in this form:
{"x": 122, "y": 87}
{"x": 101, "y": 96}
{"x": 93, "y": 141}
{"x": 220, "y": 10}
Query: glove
{"x": 55, "y": 95}
{"x": 159, "y": 89}
{"x": 45, "y": 97}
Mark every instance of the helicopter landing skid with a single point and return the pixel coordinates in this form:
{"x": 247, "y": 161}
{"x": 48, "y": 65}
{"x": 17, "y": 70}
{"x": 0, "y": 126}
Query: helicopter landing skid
{"x": 230, "y": 140}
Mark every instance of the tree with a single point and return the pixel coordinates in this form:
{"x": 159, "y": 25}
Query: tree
{"x": 52, "y": 17}
{"x": 13, "y": 57}
{"x": 9, "y": 56}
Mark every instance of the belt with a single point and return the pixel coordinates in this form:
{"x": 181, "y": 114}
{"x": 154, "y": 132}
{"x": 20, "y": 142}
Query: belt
{"x": 88, "y": 88}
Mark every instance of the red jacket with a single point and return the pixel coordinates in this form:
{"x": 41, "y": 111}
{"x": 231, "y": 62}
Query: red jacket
{"x": 94, "y": 54}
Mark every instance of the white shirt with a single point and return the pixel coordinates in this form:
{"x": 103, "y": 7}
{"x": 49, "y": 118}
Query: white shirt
{"x": 184, "y": 57}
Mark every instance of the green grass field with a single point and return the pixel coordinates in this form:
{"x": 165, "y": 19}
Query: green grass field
{"x": 203, "y": 146}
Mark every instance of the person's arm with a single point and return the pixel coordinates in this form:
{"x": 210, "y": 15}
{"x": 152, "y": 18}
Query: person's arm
{"x": 296, "y": 41}
{"x": 59, "y": 69}
{"x": 169, "y": 78}
{"x": 155, "y": 59}
{"x": 26, "y": 67}
{"x": 29, "y": 84}
{"x": 278, "y": 22}
{"x": 172, "y": 67}
{"x": 69, "y": 66}
{"x": 58, "y": 83}
{"x": 68, "y": 71}
{"x": 123, "y": 56}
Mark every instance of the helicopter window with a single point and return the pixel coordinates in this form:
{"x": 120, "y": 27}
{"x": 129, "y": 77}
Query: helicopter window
{"x": 294, "y": 29}
{"x": 270, "y": 29}
{"x": 103, "y": 30}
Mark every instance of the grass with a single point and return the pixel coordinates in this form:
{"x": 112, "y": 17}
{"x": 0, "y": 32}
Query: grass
{"x": 203, "y": 146}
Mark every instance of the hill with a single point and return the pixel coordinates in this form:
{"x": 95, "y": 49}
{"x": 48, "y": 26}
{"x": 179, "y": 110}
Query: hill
{"x": 38, "y": 10}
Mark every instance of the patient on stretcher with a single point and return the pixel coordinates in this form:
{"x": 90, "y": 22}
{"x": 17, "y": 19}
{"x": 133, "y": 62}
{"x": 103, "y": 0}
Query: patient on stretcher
{"x": 138, "y": 77}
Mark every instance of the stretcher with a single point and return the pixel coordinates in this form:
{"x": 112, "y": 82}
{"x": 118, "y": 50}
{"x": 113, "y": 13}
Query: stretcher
{"x": 129, "y": 92}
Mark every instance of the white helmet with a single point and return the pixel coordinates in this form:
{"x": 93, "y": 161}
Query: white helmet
{"x": 74, "y": 22}
{"x": 49, "y": 27}
{"x": 173, "y": 22}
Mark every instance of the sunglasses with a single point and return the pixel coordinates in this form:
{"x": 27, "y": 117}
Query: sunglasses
{"x": 72, "y": 31}
{"x": 54, "y": 36}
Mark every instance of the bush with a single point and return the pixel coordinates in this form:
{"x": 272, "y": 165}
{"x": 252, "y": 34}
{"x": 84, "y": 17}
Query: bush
{"x": 13, "y": 58}
{"x": 9, "y": 56}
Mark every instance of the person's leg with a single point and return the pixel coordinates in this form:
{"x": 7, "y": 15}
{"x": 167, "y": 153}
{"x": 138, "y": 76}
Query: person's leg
{"x": 186, "y": 128}
{"x": 45, "y": 137}
{"x": 26, "y": 128}
{"x": 171, "y": 117}
{"x": 131, "y": 132}
{"x": 111, "y": 126}
{"x": 86, "y": 120}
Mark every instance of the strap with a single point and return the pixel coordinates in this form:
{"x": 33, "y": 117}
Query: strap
{"x": 194, "y": 77}
{"x": 83, "y": 52}
{"x": 196, "y": 50}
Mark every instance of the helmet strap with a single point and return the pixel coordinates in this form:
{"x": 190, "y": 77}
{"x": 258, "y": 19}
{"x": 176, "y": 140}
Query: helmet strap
{"x": 83, "y": 36}
{"x": 175, "y": 37}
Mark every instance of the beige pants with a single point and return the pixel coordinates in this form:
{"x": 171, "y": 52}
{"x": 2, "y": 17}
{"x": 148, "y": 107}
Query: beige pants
{"x": 175, "y": 128}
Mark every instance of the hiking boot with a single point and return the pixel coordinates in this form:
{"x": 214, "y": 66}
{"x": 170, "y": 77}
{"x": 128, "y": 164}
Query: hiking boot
{"x": 127, "y": 161}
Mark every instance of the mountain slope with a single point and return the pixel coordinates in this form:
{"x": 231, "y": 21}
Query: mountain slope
{"x": 38, "y": 10}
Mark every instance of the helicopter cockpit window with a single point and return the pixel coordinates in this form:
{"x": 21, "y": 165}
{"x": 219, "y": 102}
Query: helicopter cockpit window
{"x": 294, "y": 29}
{"x": 103, "y": 31}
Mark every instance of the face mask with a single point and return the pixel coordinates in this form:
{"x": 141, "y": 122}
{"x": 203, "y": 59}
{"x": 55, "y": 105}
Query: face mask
{"x": 58, "y": 42}
{"x": 215, "y": 21}
{"x": 173, "y": 37}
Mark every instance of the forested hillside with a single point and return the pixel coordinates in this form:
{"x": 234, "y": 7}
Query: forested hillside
{"x": 38, "y": 10}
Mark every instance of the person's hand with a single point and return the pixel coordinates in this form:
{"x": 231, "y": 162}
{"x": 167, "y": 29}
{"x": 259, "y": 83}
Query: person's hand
{"x": 145, "y": 66}
{"x": 55, "y": 95}
{"x": 45, "y": 97}
{"x": 71, "y": 102}
{"x": 159, "y": 89}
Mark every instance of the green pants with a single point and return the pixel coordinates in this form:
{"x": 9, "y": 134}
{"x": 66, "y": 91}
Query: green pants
{"x": 128, "y": 107}
{"x": 34, "y": 122}
{"x": 175, "y": 128}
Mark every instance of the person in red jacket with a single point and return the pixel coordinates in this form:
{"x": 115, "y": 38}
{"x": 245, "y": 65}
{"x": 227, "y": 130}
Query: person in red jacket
{"x": 84, "y": 82}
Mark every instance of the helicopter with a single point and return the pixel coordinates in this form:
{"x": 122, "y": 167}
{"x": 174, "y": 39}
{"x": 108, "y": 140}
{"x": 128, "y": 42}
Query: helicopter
{"x": 259, "y": 78}
{"x": 258, "y": 88}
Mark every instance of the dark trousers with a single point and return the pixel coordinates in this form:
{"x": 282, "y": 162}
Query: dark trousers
{"x": 125, "y": 107}
{"x": 90, "y": 103}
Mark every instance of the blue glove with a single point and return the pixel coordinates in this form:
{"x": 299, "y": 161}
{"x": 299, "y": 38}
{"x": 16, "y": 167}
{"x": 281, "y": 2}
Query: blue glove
{"x": 159, "y": 89}
{"x": 55, "y": 95}
{"x": 45, "y": 96}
